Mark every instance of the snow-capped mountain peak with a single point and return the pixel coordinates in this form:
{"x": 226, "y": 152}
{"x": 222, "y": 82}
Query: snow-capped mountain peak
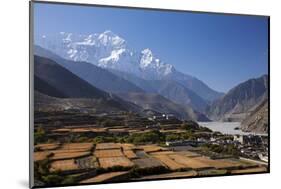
{"x": 147, "y": 58}
{"x": 149, "y": 61}
{"x": 147, "y": 52}
{"x": 109, "y": 38}
{"x": 114, "y": 56}
{"x": 106, "y": 50}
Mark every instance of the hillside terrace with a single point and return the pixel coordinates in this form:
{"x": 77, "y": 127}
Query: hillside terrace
{"x": 104, "y": 162}
{"x": 102, "y": 148}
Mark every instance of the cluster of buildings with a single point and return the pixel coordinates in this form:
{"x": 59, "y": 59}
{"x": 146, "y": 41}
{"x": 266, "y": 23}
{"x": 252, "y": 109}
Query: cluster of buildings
{"x": 162, "y": 117}
{"x": 184, "y": 143}
{"x": 253, "y": 146}
{"x": 250, "y": 146}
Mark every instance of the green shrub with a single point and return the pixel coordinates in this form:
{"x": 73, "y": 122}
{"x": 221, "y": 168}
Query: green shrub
{"x": 69, "y": 180}
{"x": 39, "y": 135}
{"x": 52, "y": 179}
{"x": 151, "y": 137}
{"x": 190, "y": 125}
{"x": 173, "y": 137}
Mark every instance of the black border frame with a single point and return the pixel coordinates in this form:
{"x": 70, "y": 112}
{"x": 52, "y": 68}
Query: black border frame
{"x": 31, "y": 89}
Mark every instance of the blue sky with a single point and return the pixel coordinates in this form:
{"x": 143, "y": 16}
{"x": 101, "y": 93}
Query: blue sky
{"x": 220, "y": 50}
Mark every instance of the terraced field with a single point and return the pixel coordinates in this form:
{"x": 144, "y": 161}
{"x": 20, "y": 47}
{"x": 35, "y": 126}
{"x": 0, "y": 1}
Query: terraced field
{"x": 219, "y": 164}
{"x": 51, "y": 146}
{"x": 84, "y": 159}
{"x": 189, "y": 162}
{"x": 127, "y": 146}
{"x": 64, "y": 165}
{"x": 68, "y": 155}
{"x": 250, "y": 170}
{"x": 143, "y": 163}
{"x": 130, "y": 154}
{"x": 162, "y": 153}
{"x": 170, "y": 163}
{"x": 106, "y": 146}
{"x": 109, "y": 162}
{"x": 184, "y": 174}
{"x": 108, "y": 153}
{"x": 38, "y": 156}
{"x": 105, "y": 177}
{"x": 77, "y": 146}
{"x": 151, "y": 148}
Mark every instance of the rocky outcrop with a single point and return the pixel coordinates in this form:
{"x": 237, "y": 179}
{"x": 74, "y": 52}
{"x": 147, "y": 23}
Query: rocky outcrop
{"x": 257, "y": 121}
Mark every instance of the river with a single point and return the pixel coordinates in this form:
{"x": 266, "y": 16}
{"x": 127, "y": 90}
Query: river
{"x": 226, "y": 128}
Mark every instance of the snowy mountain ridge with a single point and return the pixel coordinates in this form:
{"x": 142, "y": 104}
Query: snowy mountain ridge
{"x": 110, "y": 51}
{"x": 106, "y": 50}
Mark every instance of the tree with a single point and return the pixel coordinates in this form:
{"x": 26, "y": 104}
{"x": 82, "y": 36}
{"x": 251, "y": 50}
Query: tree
{"x": 152, "y": 136}
{"x": 39, "y": 135}
{"x": 41, "y": 168}
{"x": 173, "y": 137}
{"x": 190, "y": 125}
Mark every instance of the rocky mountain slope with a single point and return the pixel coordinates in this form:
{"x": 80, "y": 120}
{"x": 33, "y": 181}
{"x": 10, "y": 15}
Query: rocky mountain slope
{"x": 169, "y": 89}
{"x": 240, "y": 100}
{"x": 257, "y": 121}
{"x": 150, "y": 101}
{"x": 94, "y": 75}
{"x": 43, "y": 102}
{"x": 44, "y": 87}
{"x": 64, "y": 84}
{"x": 65, "y": 81}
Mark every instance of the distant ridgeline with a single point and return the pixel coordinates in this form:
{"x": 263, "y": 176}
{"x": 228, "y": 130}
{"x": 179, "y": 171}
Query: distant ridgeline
{"x": 114, "y": 74}
{"x": 247, "y": 102}
{"x": 140, "y": 69}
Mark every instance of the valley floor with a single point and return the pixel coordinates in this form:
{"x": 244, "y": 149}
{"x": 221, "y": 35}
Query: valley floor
{"x": 73, "y": 147}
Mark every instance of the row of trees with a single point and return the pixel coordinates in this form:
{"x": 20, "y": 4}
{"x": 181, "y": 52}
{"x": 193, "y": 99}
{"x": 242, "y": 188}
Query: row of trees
{"x": 228, "y": 149}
